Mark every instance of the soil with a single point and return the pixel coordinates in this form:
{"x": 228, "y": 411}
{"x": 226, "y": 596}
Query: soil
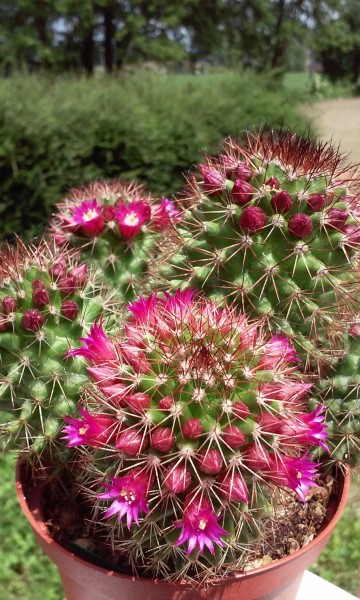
{"x": 338, "y": 120}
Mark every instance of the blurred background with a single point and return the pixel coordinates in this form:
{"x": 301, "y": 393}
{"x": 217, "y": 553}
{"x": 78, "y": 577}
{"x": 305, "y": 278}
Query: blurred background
{"x": 140, "y": 89}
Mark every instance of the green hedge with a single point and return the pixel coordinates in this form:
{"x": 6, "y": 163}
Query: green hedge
{"x": 59, "y": 133}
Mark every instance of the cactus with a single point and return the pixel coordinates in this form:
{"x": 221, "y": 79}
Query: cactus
{"x": 47, "y": 299}
{"x": 272, "y": 226}
{"x": 114, "y": 224}
{"x": 195, "y": 416}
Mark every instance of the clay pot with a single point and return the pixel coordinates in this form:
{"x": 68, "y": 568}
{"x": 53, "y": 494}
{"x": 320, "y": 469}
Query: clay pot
{"x": 85, "y": 581}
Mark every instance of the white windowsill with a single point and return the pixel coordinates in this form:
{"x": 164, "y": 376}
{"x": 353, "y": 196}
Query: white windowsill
{"x": 315, "y": 588}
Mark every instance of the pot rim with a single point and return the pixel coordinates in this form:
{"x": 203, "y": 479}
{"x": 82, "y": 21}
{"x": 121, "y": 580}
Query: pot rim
{"x": 38, "y": 524}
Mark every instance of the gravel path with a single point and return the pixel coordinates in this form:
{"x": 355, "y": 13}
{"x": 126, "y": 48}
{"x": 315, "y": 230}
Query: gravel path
{"x": 340, "y": 120}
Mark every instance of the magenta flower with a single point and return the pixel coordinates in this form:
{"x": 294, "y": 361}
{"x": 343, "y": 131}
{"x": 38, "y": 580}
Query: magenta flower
{"x": 305, "y": 428}
{"x": 130, "y": 494}
{"x": 91, "y": 430}
{"x": 200, "y": 528}
{"x": 296, "y": 473}
{"x": 131, "y": 217}
{"x": 89, "y": 217}
{"x": 97, "y": 347}
{"x": 277, "y": 351}
{"x": 165, "y": 213}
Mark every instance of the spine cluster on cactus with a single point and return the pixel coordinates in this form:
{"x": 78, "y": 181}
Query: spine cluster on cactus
{"x": 194, "y": 416}
{"x": 114, "y": 224}
{"x": 272, "y": 225}
{"x": 46, "y": 300}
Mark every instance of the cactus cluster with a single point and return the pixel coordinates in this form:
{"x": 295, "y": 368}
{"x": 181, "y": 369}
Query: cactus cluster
{"x": 114, "y": 224}
{"x": 196, "y": 413}
{"x": 271, "y": 224}
{"x": 47, "y": 298}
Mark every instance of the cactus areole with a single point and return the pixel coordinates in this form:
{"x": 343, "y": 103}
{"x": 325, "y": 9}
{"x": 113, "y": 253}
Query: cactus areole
{"x": 196, "y": 416}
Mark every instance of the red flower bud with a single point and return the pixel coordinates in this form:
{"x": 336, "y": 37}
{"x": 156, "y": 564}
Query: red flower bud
{"x": 32, "y": 319}
{"x": 192, "y": 429}
{"x": 109, "y": 212}
{"x": 256, "y": 457}
{"x": 336, "y": 217}
{"x": 273, "y": 182}
{"x": 69, "y": 310}
{"x": 9, "y": 304}
{"x": 300, "y": 226}
{"x": 242, "y": 192}
{"x": 233, "y": 436}
{"x": 213, "y": 180}
{"x": 80, "y": 274}
{"x": 163, "y": 439}
{"x": 281, "y": 202}
{"x": 229, "y": 164}
{"x": 166, "y": 402}
{"x": 233, "y": 486}
{"x": 210, "y": 461}
{"x": 352, "y": 235}
{"x": 177, "y": 479}
{"x": 3, "y": 323}
{"x": 243, "y": 171}
{"x": 37, "y": 284}
{"x": 58, "y": 269}
{"x": 138, "y": 402}
{"x": 40, "y": 297}
{"x": 316, "y": 202}
{"x": 132, "y": 441}
{"x": 252, "y": 219}
{"x": 67, "y": 285}
{"x": 240, "y": 410}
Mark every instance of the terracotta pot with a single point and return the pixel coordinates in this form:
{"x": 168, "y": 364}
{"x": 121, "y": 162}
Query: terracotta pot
{"x": 85, "y": 581}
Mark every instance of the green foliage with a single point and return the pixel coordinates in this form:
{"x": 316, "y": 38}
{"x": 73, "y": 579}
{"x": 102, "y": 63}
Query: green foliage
{"x": 59, "y": 133}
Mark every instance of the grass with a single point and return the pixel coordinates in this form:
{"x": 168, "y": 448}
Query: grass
{"x": 26, "y": 573}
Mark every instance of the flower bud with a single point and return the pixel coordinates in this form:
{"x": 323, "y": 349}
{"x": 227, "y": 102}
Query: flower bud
{"x": 177, "y": 479}
{"x": 3, "y": 323}
{"x": 252, "y": 219}
{"x": 132, "y": 441}
{"x": 40, "y": 297}
{"x": 242, "y": 192}
{"x": 352, "y": 235}
{"x": 210, "y": 461}
{"x": 243, "y": 171}
{"x": 240, "y": 410}
{"x": 281, "y": 202}
{"x": 9, "y": 304}
{"x": 233, "y": 436}
{"x": 58, "y": 269}
{"x": 163, "y": 439}
{"x": 300, "y": 226}
{"x": 229, "y": 164}
{"x": 192, "y": 429}
{"x": 67, "y": 285}
{"x": 166, "y": 402}
{"x": 138, "y": 402}
{"x": 37, "y": 284}
{"x": 336, "y": 217}
{"x": 69, "y": 310}
{"x": 80, "y": 274}
{"x": 273, "y": 182}
{"x": 316, "y": 202}
{"x": 213, "y": 180}
{"x": 109, "y": 213}
{"x": 256, "y": 457}
{"x": 233, "y": 486}
{"x": 32, "y": 319}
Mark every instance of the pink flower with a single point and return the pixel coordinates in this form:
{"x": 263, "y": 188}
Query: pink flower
{"x": 91, "y": 430}
{"x": 305, "y": 428}
{"x": 130, "y": 492}
{"x": 277, "y": 351}
{"x": 165, "y": 213}
{"x": 296, "y": 473}
{"x": 200, "y": 528}
{"x": 131, "y": 217}
{"x": 89, "y": 216}
{"x": 97, "y": 346}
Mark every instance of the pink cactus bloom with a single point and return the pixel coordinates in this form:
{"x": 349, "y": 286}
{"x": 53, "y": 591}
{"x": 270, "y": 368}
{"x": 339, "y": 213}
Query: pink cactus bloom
{"x": 97, "y": 347}
{"x": 277, "y": 351}
{"x": 305, "y": 429}
{"x": 288, "y": 392}
{"x": 296, "y": 473}
{"x": 200, "y": 528}
{"x": 89, "y": 216}
{"x": 131, "y": 217}
{"x": 130, "y": 494}
{"x": 164, "y": 214}
{"x": 91, "y": 430}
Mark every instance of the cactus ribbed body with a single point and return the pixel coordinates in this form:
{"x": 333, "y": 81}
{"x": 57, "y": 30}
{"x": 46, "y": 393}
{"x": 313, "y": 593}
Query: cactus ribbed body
{"x": 114, "y": 225}
{"x": 46, "y": 299}
{"x": 196, "y": 415}
{"x": 272, "y": 226}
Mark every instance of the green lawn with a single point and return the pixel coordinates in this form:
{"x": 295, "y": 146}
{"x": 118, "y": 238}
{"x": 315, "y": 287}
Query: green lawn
{"x": 26, "y": 573}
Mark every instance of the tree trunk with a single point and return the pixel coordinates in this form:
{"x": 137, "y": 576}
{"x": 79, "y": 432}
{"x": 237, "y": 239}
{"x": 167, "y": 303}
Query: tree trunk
{"x": 87, "y": 52}
{"x": 109, "y": 33}
{"x": 279, "y": 44}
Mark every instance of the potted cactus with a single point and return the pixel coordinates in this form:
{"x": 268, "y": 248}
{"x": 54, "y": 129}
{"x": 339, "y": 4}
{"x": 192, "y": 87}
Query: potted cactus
{"x": 205, "y": 414}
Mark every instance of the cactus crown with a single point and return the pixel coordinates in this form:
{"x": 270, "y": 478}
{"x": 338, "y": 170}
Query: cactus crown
{"x": 272, "y": 225}
{"x": 195, "y": 415}
{"x": 46, "y": 300}
{"x": 114, "y": 224}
